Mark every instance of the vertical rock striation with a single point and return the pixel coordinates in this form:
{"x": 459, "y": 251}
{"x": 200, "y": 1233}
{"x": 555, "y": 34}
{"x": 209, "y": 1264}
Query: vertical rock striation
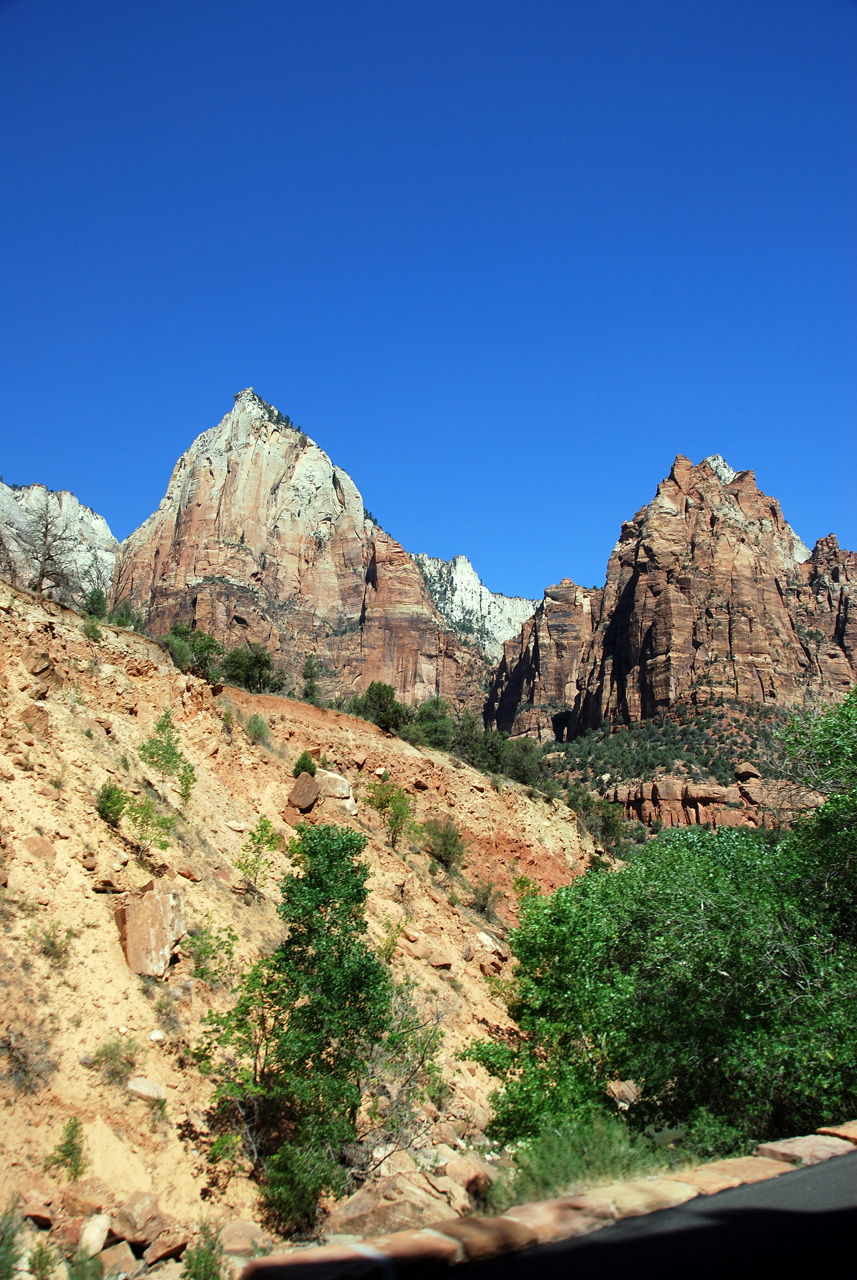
{"x": 709, "y": 591}
{"x": 260, "y": 538}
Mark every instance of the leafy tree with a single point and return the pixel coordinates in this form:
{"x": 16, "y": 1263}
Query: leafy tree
{"x": 194, "y": 649}
{"x": 292, "y": 1056}
{"x": 704, "y": 972}
{"x": 150, "y": 827}
{"x": 394, "y": 806}
{"x": 432, "y": 726}
{"x": 162, "y": 751}
{"x": 95, "y": 603}
{"x": 122, "y": 615}
{"x": 310, "y": 673}
{"x": 252, "y": 667}
{"x": 379, "y": 704}
{"x": 255, "y": 860}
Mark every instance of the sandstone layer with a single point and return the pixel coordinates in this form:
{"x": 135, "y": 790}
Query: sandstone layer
{"x": 709, "y": 591}
{"x": 470, "y": 609}
{"x": 261, "y": 538}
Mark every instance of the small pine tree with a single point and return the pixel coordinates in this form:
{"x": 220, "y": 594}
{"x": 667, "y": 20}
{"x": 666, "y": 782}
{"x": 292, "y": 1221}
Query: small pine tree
{"x": 304, "y": 764}
{"x": 69, "y": 1152}
{"x": 255, "y": 861}
{"x": 162, "y": 751}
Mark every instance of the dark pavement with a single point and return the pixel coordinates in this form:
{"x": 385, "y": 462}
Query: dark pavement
{"x": 803, "y": 1223}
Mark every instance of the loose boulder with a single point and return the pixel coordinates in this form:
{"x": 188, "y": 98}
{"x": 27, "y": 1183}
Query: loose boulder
{"x": 150, "y": 922}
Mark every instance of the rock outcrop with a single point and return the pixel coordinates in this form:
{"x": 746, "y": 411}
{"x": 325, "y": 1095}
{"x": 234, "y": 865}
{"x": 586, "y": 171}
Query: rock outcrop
{"x": 709, "y": 591}
{"x": 54, "y": 537}
{"x": 261, "y": 538}
{"x": 469, "y": 608}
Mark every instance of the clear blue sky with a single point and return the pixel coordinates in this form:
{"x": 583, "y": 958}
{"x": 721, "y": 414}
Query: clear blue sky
{"x": 501, "y": 260}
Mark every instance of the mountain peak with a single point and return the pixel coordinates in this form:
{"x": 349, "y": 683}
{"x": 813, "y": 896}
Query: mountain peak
{"x": 721, "y": 468}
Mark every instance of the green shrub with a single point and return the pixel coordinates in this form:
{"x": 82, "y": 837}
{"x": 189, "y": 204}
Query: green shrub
{"x": 91, "y": 629}
{"x": 151, "y": 828}
{"x": 203, "y": 1259}
{"x": 10, "y": 1233}
{"x": 43, "y": 1260}
{"x": 257, "y": 729}
{"x": 591, "y": 1148}
{"x": 84, "y": 1266}
{"x": 255, "y": 860}
{"x": 379, "y": 705}
{"x": 110, "y": 803}
{"x": 252, "y": 667}
{"x": 213, "y": 954}
{"x": 195, "y": 650}
{"x": 52, "y": 941}
{"x": 95, "y": 603}
{"x": 394, "y": 806}
{"x": 69, "y": 1153}
{"x": 124, "y": 616}
{"x": 304, "y": 764}
{"x": 162, "y": 751}
{"x": 310, "y": 672}
{"x": 444, "y": 843}
{"x": 485, "y": 897}
{"x": 116, "y": 1059}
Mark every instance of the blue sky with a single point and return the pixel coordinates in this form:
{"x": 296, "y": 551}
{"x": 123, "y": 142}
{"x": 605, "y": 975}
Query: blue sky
{"x": 501, "y": 260}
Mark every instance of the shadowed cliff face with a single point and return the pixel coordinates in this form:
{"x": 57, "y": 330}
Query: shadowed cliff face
{"x": 261, "y": 538}
{"x": 708, "y": 591}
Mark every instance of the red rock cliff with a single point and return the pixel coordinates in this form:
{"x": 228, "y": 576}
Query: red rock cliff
{"x": 261, "y": 538}
{"x": 708, "y": 591}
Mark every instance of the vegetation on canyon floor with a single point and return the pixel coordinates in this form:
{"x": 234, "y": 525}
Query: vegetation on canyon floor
{"x": 718, "y": 971}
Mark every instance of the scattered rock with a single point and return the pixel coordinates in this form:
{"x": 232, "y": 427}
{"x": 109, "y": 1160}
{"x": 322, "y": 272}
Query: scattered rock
{"x": 438, "y": 960}
{"x": 237, "y": 826}
{"x": 142, "y": 1087}
{"x": 40, "y": 848}
{"x": 169, "y": 1244}
{"x": 239, "y": 1237}
{"x": 140, "y": 1221}
{"x": 304, "y": 793}
{"x": 118, "y": 1260}
{"x": 150, "y": 922}
{"x": 94, "y": 1233}
{"x": 812, "y": 1149}
{"x": 470, "y": 1172}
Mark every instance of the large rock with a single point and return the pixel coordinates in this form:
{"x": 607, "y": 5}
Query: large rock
{"x": 261, "y": 538}
{"x": 305, "y": 792}
{"x": 139, "y": 1221}
{"x": 709, "y": 592}
{"x": 150, "y": 923}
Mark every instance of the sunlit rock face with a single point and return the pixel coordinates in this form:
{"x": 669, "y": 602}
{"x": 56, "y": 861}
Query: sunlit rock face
{"x": 709, "y": 591}
{"x": 469, "y": 608}
{"x": 80, "y": 541}
{"x": 259, "y": 537}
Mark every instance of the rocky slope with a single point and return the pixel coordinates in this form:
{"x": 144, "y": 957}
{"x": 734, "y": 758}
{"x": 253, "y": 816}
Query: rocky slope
{"x": 469, "y": 608}
{"x": 76, "y": 543}
{"x": 86, "y": 919}
{"x": 261, "y": 538}
{"x": 708, "y": 591}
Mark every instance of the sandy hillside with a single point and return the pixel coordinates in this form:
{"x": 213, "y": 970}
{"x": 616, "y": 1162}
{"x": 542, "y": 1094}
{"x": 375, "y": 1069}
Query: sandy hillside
{"x": 73, "y": 714}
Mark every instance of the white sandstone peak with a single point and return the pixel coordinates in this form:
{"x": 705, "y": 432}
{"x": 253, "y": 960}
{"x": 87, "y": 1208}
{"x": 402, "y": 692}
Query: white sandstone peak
{"x": 721, "y": 468}
{"x": 469, "y": 607}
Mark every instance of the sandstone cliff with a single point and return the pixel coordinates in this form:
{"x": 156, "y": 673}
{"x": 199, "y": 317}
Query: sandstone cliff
{"x": 261, "y": 538}
{"x": 469, "y": 608}
{"x": 709, "y": 591}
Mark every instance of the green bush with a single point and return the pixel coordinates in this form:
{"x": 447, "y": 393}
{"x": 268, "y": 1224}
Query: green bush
{"x": 124, "y": 616}
{"x": 310, "y": 672}
{"x": 116, "y": 1059}
{"x": 379, "y": 704}
{"x": 253, "y": 668}
{"x": 203, "y": 1259}
{"x": 151, "y": 828}
{"x": 43, "y": 1260}
{"x": 69, "y": 1153}
{"x": 591, "y": 1147}
{"x": 213, "y": 954}
{"x": 443, "y": 843}
{"x": 10, "y": 1234}
{"x": 394, "y": 806}
{"x": 257, "y": 729}
{"x": 91, "y": 629}
{"x": 304, "y": 764}
{"x": 95, "y": 603}
{"x": 110, "y": 803}
{"x": 194, "y": 650}
{"x": 162, "y": 751}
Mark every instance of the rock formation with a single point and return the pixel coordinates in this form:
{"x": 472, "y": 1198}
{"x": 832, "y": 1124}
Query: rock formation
{"x": 55, "y": 537}
{"x": 261, "y": 538}
{"x": 709, "y": 591}
{"x": 469, "y": 608}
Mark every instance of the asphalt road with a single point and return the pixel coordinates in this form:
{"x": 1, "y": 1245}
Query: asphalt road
{"x": 803, "y": 1224}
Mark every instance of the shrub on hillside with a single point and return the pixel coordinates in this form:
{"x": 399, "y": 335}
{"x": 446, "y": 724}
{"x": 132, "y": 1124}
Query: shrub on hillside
{"x": 304, "y": 764}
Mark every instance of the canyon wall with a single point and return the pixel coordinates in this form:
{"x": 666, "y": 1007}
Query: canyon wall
{"x": 709, "y": 591}
{"x": 261, "y": 538}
